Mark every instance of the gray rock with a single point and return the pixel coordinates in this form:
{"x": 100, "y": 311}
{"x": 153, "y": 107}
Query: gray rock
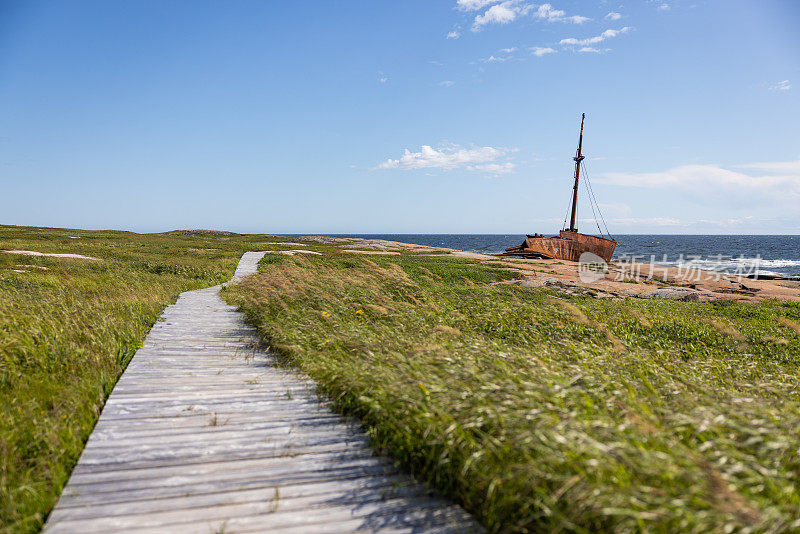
{"x": 671, "y": 293}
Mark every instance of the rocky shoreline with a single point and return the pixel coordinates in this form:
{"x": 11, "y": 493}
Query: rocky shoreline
{"x": 620, "y": 279}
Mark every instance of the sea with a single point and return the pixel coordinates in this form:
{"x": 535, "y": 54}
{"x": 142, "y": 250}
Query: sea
{"x": 735, "y": 254}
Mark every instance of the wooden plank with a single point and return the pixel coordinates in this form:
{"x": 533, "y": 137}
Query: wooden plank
{"x": 204, "y": 432}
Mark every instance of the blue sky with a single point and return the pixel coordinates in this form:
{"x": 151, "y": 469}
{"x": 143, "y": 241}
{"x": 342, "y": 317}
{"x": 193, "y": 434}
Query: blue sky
{"x": 413, "y": 116}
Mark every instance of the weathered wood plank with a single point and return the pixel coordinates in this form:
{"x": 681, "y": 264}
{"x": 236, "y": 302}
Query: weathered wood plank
{"x": 204, "y": 432}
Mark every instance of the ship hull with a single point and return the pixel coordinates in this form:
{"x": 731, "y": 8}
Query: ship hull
{"x": 566, "y": 246}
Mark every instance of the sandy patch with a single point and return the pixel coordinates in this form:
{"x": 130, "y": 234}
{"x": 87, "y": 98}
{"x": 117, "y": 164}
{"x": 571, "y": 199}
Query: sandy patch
{"x": 50, "y": 254}
{"x": 293, "y": 252}
{"x": 26, "y": 266}
{"x": 378, "y": 252}
{"x": 324, "y": 240}
{"x": 472, "y": 255}
{"x": 289, "y": 244}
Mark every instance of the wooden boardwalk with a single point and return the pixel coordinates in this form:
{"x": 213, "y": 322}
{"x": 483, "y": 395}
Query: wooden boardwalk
{"x": 203, "y": 434}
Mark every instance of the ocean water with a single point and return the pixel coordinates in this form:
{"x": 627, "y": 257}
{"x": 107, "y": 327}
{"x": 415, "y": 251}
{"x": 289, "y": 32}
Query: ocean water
{"x": 743, "y": 254}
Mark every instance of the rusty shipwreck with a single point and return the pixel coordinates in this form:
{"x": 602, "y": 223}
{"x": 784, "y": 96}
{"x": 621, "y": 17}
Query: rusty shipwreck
{"x": 569, "y": 244}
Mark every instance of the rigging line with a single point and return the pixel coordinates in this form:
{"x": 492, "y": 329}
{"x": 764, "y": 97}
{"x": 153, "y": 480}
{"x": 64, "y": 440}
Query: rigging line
{"x": 564, "y": 226}
{"x": 594, "y": 198}
{"x": 592, "y": 206}
{"x": 591, "y": 190}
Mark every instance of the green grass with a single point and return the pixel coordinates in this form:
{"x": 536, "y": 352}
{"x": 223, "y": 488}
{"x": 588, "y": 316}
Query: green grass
{"x": 66, "y": 335}
{"x": 543, "y": 412}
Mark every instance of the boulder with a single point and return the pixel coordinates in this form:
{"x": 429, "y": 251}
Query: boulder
{"x": 671, "y": 293}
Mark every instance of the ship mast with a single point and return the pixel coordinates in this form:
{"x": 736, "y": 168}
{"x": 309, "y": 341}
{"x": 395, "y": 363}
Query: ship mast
{"x": 578, "y": 160}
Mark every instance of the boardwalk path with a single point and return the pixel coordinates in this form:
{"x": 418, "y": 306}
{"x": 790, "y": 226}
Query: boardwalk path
{"x": 203, "y": 434}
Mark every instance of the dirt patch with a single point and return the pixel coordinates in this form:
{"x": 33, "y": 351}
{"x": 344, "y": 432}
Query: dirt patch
{"x": 379, "y": 252}
{"x": 447, "y": 330}
{"x": 790, "y": 324}
{"x": 472, "y": 255}
{"x": 293, "y": 252}
{"x": 51, "y": 254}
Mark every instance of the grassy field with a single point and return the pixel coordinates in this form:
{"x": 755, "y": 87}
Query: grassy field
{"x": 538, "y": 411}
{"x": 68, "y": 327}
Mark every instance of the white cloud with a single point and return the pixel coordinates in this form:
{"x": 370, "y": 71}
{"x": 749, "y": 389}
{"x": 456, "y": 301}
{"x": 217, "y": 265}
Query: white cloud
{"x": 382, "y": 77}
{"x": 497, "y": 14}
{"x": 507, "y": 11}
{"x": 775, "y": 167}
{"x": 473, "y": 5}
{"x": 608, "y": 34}
{"x": 540, "y": 51}
{"x": 613, "y": 16}
{"x": 453, "y": 34}
{"x": 638, "y": 221}
{"x": 500, "y": 58}
{"x": 663, "y": 7}
{"x": 485, "y": 159}
{"x": 589, "y": 49}
{"x": 781, "y": 86}
{"x": 447, "y": 83}
{"x": 546, "y": 12}
{"x": 772, "y": 180}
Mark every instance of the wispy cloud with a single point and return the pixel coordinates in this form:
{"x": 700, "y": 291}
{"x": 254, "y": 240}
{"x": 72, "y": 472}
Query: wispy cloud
{"x": 487, "y": 159}
{"x": 781, "y": 86}
{"x": 504, "y": 54}
{"x": 498, "y": 14}
{"x": 589, "y": 49}
{"x": 472, "y": 5}
{"x": 454, "y": 34}
{"x": 382, "y": 77}
{"x": 506, "y": 11}
{"x": 540, "y": 51}
{"x": 546, "y": 12}
{"x": 608, "y": 34}
{"x": 446, "y": 83}
{"x": 639, "y": 221}
{"x": 613, "y": 16}
{"x": 770, "y": 181}
{"x": 774, "y": 167}
{"x": 664, "y": 7}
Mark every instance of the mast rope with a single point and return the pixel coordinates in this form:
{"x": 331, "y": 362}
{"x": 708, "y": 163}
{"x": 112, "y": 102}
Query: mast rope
{"x": 566, "y": 215}
{"x": 591, "y": 205}
{"x": 592, "y": 197}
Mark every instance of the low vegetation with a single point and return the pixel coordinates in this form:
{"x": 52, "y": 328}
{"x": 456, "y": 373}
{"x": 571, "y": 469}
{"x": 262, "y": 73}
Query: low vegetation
{"x": 68, "y": 327}
{"x": 535, "y": 410}
{"x": 539, "y": 411}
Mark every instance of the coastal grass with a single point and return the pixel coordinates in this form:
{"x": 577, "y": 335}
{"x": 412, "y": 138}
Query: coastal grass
{"x": 68, "y": 328}
{"x": 540, "y": 411}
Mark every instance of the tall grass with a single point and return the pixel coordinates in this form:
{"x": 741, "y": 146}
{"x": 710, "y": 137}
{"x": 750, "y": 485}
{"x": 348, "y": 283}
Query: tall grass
{"x": 543, "y": 412}
{"x": 67, "y": 330}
